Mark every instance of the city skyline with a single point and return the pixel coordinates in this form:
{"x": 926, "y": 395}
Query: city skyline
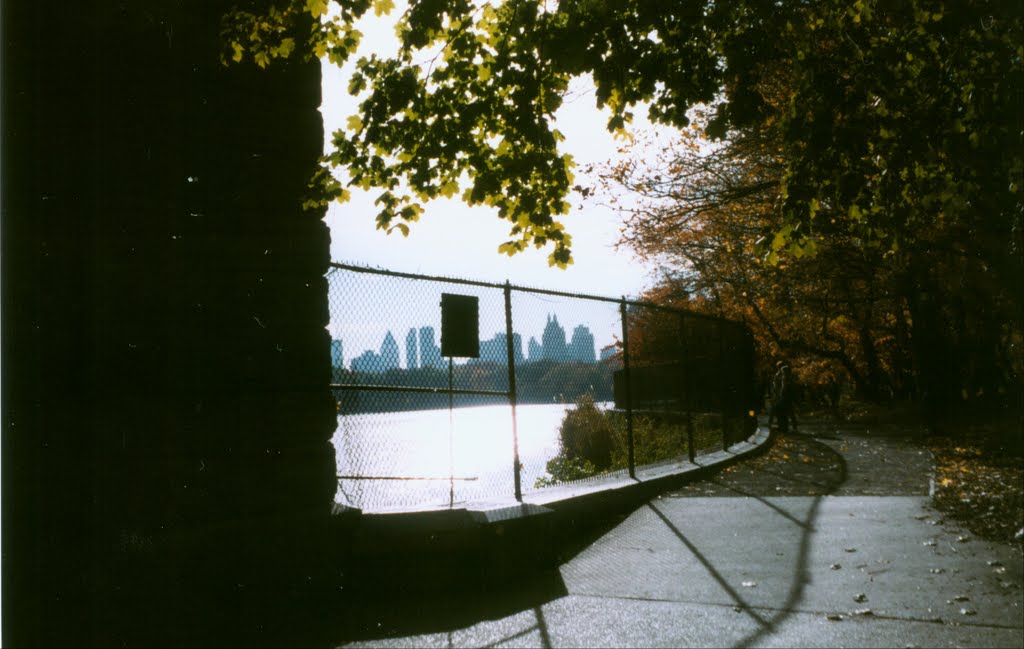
{"x": 422, "y": 350}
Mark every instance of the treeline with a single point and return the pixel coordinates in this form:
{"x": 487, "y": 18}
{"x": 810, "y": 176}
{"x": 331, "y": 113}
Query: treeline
{"x": 857, "y": 201}
{"x": 544, "y": 381}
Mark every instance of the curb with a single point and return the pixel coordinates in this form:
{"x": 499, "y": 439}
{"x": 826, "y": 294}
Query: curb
{"x": 496, "y": 541}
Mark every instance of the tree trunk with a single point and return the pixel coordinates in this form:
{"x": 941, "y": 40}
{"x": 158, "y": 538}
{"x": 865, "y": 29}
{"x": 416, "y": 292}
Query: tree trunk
{"x": 930, "y": 356}
{"x": 874, "y": 379}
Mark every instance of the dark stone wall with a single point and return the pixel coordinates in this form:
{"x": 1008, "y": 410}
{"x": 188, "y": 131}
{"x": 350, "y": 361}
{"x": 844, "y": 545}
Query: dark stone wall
{"x": 166, "y": 420}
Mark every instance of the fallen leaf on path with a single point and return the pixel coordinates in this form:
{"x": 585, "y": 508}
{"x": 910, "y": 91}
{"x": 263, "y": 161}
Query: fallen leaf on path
{"x": 968, "y": 611}
{"x": 860, "y": 597}
{"x": 863, "y": 611}
{"x": 834, "y": 617}
{"x": 937, "y": 571}
{"x": 750, "y": 584}
{"x": 835, "y": 566}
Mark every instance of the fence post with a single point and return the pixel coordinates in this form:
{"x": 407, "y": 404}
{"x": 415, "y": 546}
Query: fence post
{"x": 512, "y": 390}
{"x": 629, "y": 388}
{"x": 684, "y": 396}
{"x": 723, "y": 384}
{"x": 451, "y": 431}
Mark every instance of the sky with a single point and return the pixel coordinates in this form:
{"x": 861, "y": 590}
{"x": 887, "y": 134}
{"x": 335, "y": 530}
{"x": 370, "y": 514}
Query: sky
{"x": 455, "y": 240}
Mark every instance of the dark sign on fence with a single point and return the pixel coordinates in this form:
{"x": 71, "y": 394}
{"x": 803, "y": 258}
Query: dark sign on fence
{"x": 460, "y": 326}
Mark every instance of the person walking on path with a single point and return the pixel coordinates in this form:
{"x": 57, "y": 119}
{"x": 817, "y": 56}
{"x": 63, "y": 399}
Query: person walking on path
{"x": 783, "y": 396}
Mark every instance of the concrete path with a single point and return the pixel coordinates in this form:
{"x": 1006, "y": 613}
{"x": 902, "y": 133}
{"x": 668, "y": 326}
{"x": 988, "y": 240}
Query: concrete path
{"x": 760, "y": 571}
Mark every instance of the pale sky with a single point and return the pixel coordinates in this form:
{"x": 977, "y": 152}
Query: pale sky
{"x": 452, "y": 239}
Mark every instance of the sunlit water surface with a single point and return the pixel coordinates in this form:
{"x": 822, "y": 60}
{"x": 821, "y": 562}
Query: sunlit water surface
{"x": 474, "y": 445}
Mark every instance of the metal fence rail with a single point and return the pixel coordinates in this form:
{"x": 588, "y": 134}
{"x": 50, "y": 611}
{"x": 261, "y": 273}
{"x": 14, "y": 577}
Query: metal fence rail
{"x": 566, "y": 388}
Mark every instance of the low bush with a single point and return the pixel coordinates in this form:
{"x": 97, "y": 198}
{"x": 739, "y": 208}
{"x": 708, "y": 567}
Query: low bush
{"x": 594, "y": 441}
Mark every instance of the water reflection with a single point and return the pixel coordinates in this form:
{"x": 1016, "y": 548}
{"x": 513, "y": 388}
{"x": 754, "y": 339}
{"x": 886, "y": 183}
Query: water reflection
{"x": 374, "y": 449}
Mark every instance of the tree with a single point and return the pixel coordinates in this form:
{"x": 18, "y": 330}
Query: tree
{"x": 895, "y": 134}
{"x": 900, "y": 303}
{"x": 907, "y": 111}
{"x": 465, "y": 104}
{"x": 705, "y": 214}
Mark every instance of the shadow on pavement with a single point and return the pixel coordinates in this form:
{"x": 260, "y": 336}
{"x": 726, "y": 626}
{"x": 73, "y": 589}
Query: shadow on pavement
{"x": 756, "y": 480}
{"x": 406, "y": 614}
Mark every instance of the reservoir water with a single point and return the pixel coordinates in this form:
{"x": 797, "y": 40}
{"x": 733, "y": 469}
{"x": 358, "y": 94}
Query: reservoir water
{"x": 403, "y": 460}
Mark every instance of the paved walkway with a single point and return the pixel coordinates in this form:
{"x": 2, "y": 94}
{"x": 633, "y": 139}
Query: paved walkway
{"x": 759, "y": 555}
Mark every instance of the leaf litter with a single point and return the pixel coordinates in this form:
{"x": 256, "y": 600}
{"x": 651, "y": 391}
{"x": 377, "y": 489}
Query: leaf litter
{"x": 978, "y": 483}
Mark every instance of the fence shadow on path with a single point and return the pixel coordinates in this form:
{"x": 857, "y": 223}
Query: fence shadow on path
{"x": 757, "y": 484}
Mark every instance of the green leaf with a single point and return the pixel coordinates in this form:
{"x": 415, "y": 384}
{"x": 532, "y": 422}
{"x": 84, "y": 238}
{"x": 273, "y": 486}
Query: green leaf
{"x": 316, "y": 8}
{"x": 286, "y": 47}
{"x": 449, "y": 188}
{"x": 356, "y": 84}
{"x": 781, "y": 238}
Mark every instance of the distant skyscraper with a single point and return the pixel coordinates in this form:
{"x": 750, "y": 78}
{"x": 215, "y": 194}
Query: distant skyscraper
{"x": 608, "y": 351}
{"x": 389, "y": 353}
{"x": 337, "y": 354}
{"x": 430, "y": 353}
{"x": 496, "y": 349}
{"x": 493, "y": 351}
{"x": 411, "y": 357}
{"x": 368, "y": 361}
{"x": 534, "y": 351}
{"x": 581, "y": 349}
{"x": 553, "y": 340}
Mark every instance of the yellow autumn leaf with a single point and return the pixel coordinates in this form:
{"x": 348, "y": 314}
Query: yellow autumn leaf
{"x": 316, "y": 8}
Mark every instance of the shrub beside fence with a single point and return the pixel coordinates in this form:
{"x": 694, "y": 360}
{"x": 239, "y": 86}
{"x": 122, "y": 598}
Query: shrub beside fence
{"x": 566, "y": 387}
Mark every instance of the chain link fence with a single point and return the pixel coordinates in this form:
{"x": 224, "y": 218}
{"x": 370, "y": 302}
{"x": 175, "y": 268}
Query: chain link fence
{"x": 557, "y": 388}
